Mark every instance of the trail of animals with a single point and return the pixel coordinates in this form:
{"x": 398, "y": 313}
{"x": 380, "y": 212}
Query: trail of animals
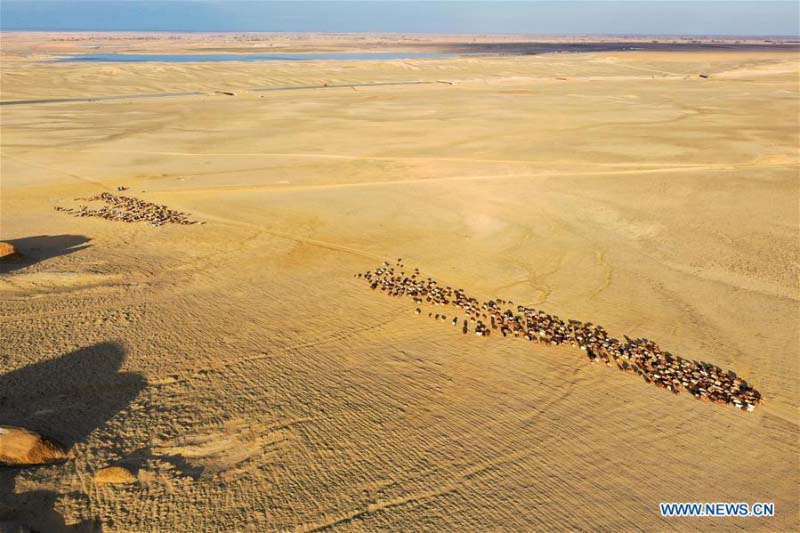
{"x": 128, "y": 209}
{"x": 702, "y": 380}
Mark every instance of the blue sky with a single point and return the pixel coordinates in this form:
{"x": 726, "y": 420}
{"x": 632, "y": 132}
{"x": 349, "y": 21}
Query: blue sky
{"x": 664, "y": 17}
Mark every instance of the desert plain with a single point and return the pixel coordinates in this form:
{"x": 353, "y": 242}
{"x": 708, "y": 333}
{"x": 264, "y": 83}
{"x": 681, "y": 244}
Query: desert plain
{"x": 249, "y": 382}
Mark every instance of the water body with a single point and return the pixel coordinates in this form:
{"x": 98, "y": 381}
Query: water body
{"x": 204, "y": 58}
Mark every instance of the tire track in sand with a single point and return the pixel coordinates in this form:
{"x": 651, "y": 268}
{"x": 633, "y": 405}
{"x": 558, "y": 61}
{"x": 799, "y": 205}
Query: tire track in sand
{"x": 218, "y": 365}
{"x": 348, "y": 157}
{"x": 414, "y": 497}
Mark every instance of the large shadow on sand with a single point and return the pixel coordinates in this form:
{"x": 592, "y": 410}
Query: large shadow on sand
{"x": 40, "y": 248}
{"x": 65, "y": 398}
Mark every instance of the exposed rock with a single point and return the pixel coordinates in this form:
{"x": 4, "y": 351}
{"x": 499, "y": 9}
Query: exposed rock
{"x": 114, "y": 475}
{"x": 22, "y": 447}
{"x": 8, "y": 252}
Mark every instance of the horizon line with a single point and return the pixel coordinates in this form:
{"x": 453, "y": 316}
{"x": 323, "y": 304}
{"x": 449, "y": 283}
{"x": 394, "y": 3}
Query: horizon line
{"x": 555, "y": 34}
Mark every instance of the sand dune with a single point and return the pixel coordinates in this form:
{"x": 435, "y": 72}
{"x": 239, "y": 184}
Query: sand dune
{"x": 249, "y": 383}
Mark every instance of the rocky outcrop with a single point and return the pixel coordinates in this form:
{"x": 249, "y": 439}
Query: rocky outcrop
{"x": 8, "y": 252}
{"x": 114, "y": 475}
{"x": 22, "y": 447}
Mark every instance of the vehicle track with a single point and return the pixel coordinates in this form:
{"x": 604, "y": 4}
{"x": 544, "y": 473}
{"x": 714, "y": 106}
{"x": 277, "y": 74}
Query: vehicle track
{"x": 83, "y": 99}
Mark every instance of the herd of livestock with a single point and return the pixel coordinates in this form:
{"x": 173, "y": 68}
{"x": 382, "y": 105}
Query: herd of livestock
{"x": 128, "y": 209}
{"x": 641, "y": 356}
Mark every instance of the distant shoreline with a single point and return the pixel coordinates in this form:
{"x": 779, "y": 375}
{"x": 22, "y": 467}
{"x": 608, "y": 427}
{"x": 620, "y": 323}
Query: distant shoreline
{"x": 54, "y": 44}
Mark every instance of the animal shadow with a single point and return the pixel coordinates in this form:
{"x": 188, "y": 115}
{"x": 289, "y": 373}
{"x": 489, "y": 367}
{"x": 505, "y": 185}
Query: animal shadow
{"x": 66, "y": 399}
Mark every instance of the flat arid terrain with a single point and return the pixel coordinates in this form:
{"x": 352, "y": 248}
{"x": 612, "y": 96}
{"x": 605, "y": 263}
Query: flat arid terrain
{"x": 249, "y": 382}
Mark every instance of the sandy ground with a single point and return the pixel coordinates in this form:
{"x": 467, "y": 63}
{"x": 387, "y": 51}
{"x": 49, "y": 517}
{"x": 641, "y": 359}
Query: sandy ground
{"x": 251, "y": 384}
